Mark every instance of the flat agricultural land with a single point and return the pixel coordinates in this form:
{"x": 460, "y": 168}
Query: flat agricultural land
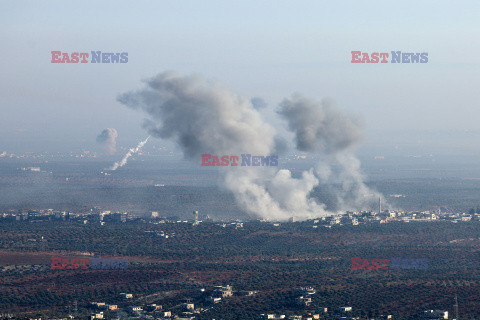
{"x": 272, "y": 260}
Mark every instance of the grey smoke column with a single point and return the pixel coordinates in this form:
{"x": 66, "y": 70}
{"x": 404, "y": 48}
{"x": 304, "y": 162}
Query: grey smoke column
{"x": 108, "y": 139}
{"x": 323, "y": 128}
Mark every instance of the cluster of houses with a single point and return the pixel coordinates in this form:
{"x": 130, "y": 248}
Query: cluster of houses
{"x": 155, "y": 311}
{"x": 187, "y": 311}
{"x": 303, "y": 298}
{"x": 219, "y": 293}
{"x": 386, "y": 216}
{"x": 222, "y": 292}
{"x": 96, "y": 215}
{"x": 321, "y": 313}
{"x": 344, "y": 313}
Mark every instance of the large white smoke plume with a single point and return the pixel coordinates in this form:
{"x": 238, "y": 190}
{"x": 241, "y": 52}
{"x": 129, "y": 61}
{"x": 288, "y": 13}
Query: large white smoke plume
{"x": 108, "y": 139}
{"x": 205, "y": 117}
{"x": 130, "y": 153}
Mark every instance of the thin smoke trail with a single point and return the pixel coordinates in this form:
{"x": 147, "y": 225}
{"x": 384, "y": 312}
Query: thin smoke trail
{"x": 130, "y": 153}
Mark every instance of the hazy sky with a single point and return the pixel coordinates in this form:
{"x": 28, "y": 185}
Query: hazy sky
{"x": 267, "y": 49}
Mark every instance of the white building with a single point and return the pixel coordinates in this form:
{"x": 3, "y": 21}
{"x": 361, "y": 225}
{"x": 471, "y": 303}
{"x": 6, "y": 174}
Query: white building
{"x": 188, "y": 306}
{"x": 436, "y": 314}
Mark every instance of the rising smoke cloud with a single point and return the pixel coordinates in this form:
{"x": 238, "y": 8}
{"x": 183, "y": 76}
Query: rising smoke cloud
{"x": 108, "y": 139}
{"x": 200, "y": 116}
{"x": 323, "y": 127}
{"x": 205, "y": 117}
{"x": 130, "y": 153}
{"x": 319, "y": 126}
